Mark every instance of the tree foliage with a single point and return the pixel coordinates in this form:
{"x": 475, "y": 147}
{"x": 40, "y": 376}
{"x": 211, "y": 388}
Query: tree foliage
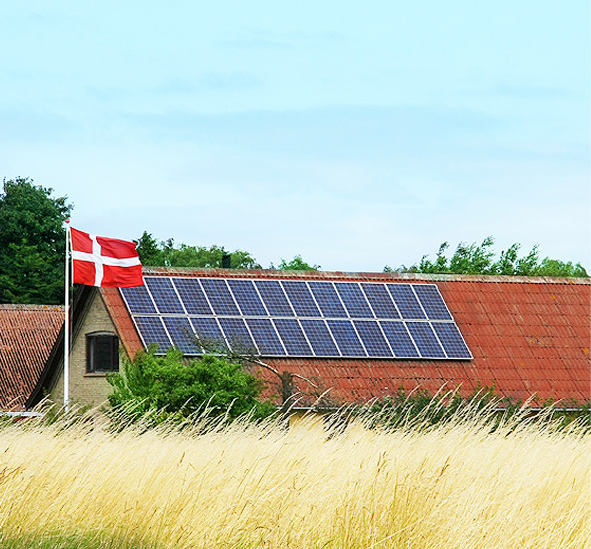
{"x": 482, "y": 259}
{"x": 167, "y": 254}
{"x": 171, "y": 385}
{"x": 296, "y": 264}
{"x": 32, "y": 243}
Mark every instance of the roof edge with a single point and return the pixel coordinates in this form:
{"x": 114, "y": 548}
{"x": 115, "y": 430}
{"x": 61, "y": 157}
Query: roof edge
{"x": 340, "y": 275}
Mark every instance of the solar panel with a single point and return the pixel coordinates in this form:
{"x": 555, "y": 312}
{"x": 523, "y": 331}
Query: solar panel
{"x": 319, "y": 337}
{"x": 274, "y": 298}
{"x": 300, "y": 297}
{"x": 164, "y": 294}
{"x": 373, "y": 338}
{"x": 406, "y": 301}
{"x": 237, "y": 335}
{"x": 181, "y": 333}
{"x": 138, "y": 300}
{"x": 293, "y": 337}
{"x": 327, "y": 299}
{"x": 399, "y": 339}
{"x": 354, "y": 300}
{"x": 219, "y": 296}
{"x": 425, "y": 339}
{"x": 346, "y": 337}
{"x": 192, "y": 295}
{"x": 265, "y": 336}
{"x": 380, "y": 301}
{"x": 452, "y": 340}
{"x": 296, "y": 318}
{"x": 432, "y": 302}
{"x": 247, "y": 297}
{"x": 152, "y": 331}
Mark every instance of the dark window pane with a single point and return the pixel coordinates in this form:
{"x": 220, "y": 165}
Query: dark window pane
{"x": 102, "y": 353}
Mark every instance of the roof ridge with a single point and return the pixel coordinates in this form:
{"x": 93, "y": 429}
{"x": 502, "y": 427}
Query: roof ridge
{"x": 29, "y": 307}
{"x": 330, "y": 275}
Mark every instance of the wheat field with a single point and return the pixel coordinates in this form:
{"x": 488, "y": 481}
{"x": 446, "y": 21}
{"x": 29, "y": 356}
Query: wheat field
{"x": 244, "y": 486}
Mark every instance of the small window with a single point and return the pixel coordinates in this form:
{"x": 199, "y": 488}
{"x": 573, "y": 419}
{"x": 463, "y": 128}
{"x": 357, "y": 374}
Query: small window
{"x": 102, "y": 353}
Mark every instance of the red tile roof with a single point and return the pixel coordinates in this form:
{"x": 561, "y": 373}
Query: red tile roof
{"x": 27, "y": 335}
{"x": 530, "y": 336}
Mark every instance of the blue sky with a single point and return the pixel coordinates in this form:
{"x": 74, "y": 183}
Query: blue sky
{"x": 356, "y": 134}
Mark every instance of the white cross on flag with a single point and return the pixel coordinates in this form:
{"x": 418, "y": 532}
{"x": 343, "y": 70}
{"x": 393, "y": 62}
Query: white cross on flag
{"x": 101, "y": 261}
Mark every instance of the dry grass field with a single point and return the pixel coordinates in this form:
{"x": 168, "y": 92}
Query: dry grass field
{"x": 454, "y": 486}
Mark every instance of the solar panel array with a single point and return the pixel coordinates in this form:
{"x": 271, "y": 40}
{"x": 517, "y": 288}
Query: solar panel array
{"x": 296, "y": 318}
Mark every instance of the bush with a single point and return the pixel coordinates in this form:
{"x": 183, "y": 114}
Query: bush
{"x": 172, "y": 387}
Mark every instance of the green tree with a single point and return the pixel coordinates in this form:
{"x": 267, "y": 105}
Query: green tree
{"x": 167, "y": 254}
{"x": 171, "y": 385}
{"x": 296, "y": 264}
{"x": 480, "y": 259}
{"x": 32, "y": 243}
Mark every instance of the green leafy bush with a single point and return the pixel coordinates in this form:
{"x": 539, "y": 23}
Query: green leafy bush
{"x": 173, "y": 387}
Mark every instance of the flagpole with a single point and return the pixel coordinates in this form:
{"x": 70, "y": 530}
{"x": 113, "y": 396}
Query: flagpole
{"x": 67, "y": 323}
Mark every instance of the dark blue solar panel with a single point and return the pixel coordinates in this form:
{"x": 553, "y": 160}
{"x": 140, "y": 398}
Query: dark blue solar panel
{"x": 264, "y": 334}
{"x": 354, "y": 300}
{"x": 432, "y": 302}
{"x": 274, "y": 298}
{"x": 219, "y": 296}
{"x": 293, "y": 337}
{"x": 192, "y": 295}
{"x": 373, "y": 338}
{"x": 380, "y": 300}
{"x": 237, "y": 335}
{"x": 301, "y": 298}
{"x": 247, "y": 297}
{"x": 327, "y": 299}
{"x": 399, "y": 339}
{"x": 405, "y": 299}
{"x": 138, "y": 300}
{"x": 451, "y": 339}
{"x": 164, "y": 295}
{"x": 207, "y": 329}
{"x": 425, "y": 339}
{"x": 319, "y": 337}
{"x": 181, "y": 333}
{"x": 152, "y": 331}
{"x": 346, "y": 338}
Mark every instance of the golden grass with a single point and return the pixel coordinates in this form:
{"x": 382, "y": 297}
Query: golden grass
{"x": 456, "y": 486}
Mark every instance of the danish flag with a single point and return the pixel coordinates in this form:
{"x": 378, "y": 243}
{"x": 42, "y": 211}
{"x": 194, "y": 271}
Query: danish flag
{"x": 101, "y": 261}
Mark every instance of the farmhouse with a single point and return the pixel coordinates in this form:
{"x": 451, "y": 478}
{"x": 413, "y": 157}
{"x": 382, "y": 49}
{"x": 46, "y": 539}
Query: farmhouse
{"x": 27, "y": 336}
{"x": 349, "y": 336}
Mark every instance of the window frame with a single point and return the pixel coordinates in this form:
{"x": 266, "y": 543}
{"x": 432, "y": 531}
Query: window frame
{"x": 92, "y": 341}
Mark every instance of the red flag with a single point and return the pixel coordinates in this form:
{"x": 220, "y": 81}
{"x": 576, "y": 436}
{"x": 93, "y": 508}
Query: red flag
{"x": 100, "y": 261}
